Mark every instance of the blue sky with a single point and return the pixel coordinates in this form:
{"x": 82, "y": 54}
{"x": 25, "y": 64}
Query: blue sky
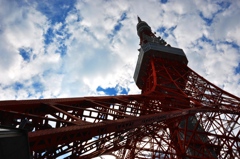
{"x": 76, "y": 48}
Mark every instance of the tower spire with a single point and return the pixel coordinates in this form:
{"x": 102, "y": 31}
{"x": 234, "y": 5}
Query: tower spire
{"x": 146, "y": 35}
{"x": 139, "y": 19}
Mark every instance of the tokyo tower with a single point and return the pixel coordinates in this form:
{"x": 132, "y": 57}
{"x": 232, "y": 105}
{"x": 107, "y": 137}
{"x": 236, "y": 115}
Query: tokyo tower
{"x": 178, "y": 115}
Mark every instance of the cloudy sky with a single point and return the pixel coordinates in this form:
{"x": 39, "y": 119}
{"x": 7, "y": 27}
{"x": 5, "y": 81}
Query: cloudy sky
{"x": 70, "y": 48}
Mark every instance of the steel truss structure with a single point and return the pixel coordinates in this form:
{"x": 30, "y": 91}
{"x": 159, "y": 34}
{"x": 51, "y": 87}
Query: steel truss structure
{"x": 178, "y": 115}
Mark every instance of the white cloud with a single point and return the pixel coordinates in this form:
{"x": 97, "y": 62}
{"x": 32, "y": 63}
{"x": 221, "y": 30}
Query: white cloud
{"x": 225, "y": 26}
{"x": 208, "y": 8}
{"x": 98, "y": 55}
{"x": 23, "y": 27}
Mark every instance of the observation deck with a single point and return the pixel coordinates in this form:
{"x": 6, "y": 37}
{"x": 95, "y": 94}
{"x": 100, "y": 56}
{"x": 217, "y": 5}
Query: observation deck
{"x": 154, "y": 50}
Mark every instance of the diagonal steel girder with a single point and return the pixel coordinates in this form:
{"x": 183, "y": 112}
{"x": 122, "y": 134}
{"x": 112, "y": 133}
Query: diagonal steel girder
{"x": 52, "y": 137}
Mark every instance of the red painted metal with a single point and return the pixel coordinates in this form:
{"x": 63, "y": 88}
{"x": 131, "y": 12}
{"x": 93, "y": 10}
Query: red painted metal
{"x": 178, "y": 115}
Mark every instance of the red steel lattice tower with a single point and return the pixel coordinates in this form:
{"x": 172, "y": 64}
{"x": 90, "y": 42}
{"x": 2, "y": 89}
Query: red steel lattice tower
{"x": 179, "y": 114}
